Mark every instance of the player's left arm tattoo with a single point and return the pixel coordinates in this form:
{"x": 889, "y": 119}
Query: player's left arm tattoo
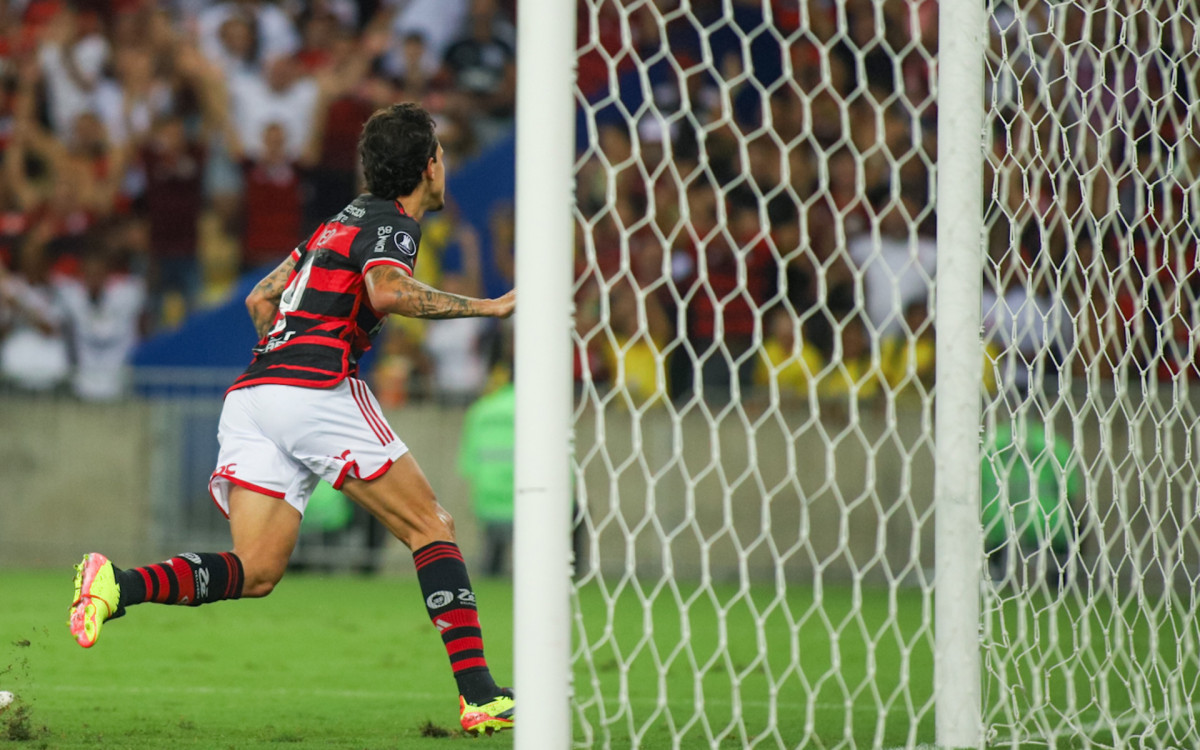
{"x": 263, "y": 301}
{"x": 393, "y": 291}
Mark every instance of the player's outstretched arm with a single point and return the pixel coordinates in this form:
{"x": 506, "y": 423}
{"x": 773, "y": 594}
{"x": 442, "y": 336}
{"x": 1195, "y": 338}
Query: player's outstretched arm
{"x": 393, "y": 291}
{"x": 263, "y": 300}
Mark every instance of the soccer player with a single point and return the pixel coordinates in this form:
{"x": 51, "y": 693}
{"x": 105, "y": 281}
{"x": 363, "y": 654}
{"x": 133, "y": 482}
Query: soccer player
{"x": 299, "y": 414}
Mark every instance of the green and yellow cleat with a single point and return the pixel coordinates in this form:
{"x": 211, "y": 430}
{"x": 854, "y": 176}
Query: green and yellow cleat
{"x": 97, "y": 597}
{"x": 488, "y": 718}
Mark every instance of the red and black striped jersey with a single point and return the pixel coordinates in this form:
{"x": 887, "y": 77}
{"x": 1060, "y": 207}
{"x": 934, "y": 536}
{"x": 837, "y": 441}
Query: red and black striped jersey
{"x": 325, "y": 320}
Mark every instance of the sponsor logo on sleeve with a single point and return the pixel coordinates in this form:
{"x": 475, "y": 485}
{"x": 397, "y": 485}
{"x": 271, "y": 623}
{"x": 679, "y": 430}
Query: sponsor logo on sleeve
{"x": 406, "y": 244}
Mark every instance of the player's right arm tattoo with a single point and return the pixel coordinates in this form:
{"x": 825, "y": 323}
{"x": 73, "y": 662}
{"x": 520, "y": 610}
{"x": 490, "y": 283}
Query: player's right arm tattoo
{"x": 393, "y": 291}
{"x": 263, "y": 302}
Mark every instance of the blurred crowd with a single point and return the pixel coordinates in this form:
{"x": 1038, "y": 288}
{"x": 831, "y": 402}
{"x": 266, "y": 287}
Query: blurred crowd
{"x": 755, "y": 183}
{"x": 757, "y": 212}
{"x": 153, "y": 152}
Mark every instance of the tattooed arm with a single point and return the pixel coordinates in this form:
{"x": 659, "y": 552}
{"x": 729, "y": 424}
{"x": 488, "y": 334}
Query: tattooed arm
{"x": 263, "y": 301}
{"x": 393, "y": 291}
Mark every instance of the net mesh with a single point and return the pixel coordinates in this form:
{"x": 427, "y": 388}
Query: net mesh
{"x": 754, "y": 289}
{"x": 1090, "y": 621}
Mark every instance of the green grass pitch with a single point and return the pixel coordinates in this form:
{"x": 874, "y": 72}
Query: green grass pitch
{"x": 347, "y": 662}
{"x": 329, "y": 662}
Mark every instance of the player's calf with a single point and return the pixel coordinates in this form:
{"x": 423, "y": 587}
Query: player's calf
{"x": 450, "y": 602}
{"x": 103, "y": 591}
{"x": 192, "y": 578}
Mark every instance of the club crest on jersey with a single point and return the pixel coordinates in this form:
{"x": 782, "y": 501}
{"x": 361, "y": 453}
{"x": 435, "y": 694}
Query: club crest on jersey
{"x": 405, "y": 243}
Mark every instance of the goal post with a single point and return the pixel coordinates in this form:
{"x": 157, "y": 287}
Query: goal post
{"x": 542, "y": 518}
{"x": 959, "y": 374}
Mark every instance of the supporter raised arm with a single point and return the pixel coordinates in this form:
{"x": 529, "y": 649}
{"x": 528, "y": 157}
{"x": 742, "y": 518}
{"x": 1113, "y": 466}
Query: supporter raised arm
{"x": 87, "y": 156}
{"x": 206, "y": 80}
{"x": 334, "y": 81}
{"x": 72, "y": 56}
{"x": 20, "y": 187}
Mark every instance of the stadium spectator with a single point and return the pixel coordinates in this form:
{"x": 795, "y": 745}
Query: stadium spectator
{"x": 850, "y": 370}
{"x": 282, "y": 94}
{"x": 72, "y": 54}
{"x": 864, "y": 52}
{"x": 348, "y": 94}
{"x": 458, "y": 349}
{"x": 322, "y": 36}
{"x": 588, "y": 366}
{"x": 129, "y": 102}
{"x": 173, "y": 159}
{"x": 334, "y": 178}
{"x": 104, "y": 309}
{"x": 897, "y": 265}
{"x": 908, "y": 360}
{"x": 634, "y": 353}
{"x": 458, "y": 135}
{"x": 173, "y": 170}
{"x": 503, "y": 225}
{"x": 408, "y": 63}
{"x": 787, "y": 365}
{"x": 481, "y": 65}
{"x": 240, "y": 35}
{"x": 63, "y": 204}
{"x": 85, "y": 169}
{"x": 273, "y": 162}
{"x": 236, "y": 47}
{"x": 726, "y": 277}
{"x": 486, "y": 460}
{"x": 273, "y": 212}
{"x": 398, "y": 372}
{"x": 1030, "y": 323}
{"x": 437, "y": 22}
{"x": 34, "y": 348}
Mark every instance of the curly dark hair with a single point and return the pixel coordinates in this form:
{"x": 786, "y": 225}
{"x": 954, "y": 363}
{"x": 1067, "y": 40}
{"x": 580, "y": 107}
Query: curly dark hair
{"x": 396, "y": 145}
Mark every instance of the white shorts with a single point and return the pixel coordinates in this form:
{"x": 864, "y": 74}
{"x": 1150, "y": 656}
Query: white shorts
{"x": 280, "y": 440}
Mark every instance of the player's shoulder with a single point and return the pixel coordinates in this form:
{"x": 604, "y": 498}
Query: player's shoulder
{"x": 368, "y": 211}
{"x": 385, "y": 232}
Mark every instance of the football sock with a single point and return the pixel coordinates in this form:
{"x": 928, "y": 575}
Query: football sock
{"x": 191, "y": 578}
{"x": 451, "y": 606}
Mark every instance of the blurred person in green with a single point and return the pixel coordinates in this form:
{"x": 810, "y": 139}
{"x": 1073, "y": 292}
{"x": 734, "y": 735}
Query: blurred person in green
{"x": 485, "y": 460}
{"x": 1030, "y": 479}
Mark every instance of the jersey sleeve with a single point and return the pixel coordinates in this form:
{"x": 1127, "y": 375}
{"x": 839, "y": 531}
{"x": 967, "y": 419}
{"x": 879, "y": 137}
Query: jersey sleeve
{"x": 392, "y": 241}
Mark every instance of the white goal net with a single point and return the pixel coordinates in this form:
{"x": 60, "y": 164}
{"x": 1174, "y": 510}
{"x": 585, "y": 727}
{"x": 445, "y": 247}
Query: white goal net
{"x": 755, "y": 374}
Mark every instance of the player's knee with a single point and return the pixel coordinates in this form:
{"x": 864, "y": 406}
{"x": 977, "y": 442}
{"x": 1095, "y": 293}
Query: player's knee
{"x": 432, "y": 525}
{"x": 261, "y": 577}
{"x": 439, "y": 525}
{"x": 447, "y": 520}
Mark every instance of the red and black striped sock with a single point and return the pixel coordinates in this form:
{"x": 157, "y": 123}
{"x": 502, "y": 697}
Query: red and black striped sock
{"x": 191, "y": 578}
{"x": 451, "y": 606}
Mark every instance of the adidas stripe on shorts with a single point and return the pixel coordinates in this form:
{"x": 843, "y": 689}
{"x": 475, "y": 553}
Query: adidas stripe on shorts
{"x": 280, "y": 440}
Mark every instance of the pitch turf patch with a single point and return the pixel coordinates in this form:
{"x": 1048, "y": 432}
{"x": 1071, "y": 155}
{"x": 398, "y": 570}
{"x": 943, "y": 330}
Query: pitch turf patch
{"x": 429, "y": 729}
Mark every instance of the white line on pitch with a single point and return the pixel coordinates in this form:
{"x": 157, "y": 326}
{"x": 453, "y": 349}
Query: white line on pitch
{"x": 380, "y": 694}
